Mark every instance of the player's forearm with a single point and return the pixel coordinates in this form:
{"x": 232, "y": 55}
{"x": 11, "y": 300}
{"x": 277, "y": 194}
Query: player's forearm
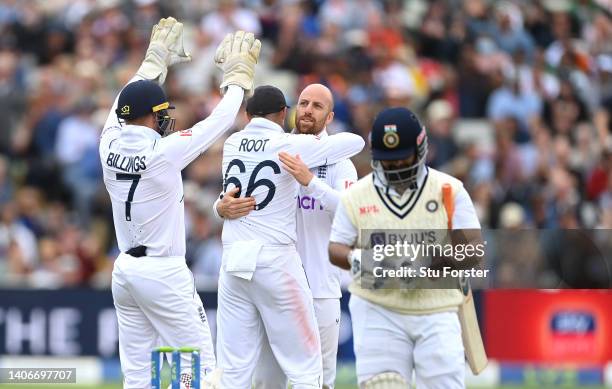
{"x": 207, "y": 131}
{"x": 338, "y": 255}
{"x": 327, "y": 196}
{"x": 336, "y": 148}
{"x": 222, "y": 117}
{"x": 469, "y": 238}
{"x": 466, "y": 231}
{"x": 230, "y": 207}
{"x": 216, "y": 209}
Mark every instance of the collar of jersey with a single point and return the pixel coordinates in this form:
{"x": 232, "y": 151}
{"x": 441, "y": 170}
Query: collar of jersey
{"x": 131, "y": 131}
{"x": 265, "y": 124}
{"x": 393, "y": 192}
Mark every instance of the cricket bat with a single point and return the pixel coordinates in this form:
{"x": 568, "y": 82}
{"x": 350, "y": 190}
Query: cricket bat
{"x": 470, "y": 332}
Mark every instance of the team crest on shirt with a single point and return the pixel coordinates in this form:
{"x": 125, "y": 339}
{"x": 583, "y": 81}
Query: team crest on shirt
{"x": 322, "y": 172}
{"x": 391, "y": 139}
{"x": 431, "y": 206}
{"x": 185, "y": 133}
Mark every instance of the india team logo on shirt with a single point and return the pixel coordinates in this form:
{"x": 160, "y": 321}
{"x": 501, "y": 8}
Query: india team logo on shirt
{"x": 432, "y": 205}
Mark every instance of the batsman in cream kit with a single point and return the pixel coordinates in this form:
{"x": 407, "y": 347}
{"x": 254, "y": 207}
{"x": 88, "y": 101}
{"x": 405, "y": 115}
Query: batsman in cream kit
{"x": 397, "y": 331}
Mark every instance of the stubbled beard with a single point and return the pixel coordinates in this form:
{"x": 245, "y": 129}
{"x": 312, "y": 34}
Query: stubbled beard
{"x": 313, "y": 130}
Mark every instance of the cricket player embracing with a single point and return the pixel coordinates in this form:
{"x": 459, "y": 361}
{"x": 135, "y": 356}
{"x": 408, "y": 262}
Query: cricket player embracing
{"x": 317, "y": 201}
{"x": 263, "y": 289}
{"x": 398, "y": 331}
{"x": 142, "y": 158}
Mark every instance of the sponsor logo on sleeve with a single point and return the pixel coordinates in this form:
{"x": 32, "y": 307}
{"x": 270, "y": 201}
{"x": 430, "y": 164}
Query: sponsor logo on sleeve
{"x": 365, "y": 210}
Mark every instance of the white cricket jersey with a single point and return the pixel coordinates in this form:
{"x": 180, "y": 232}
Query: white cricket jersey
{"x": 464, "y": 217}
{"x": 317, "y": 204}
{"x": 250, "y": 161}
{"x": 142, "y": 174}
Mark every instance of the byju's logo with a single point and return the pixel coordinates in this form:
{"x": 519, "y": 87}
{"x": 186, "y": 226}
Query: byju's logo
{"x": 378, "y": 238}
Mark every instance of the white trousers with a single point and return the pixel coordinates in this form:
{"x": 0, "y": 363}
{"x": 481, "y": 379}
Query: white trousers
{"x": 276, "y": 303}
{"x": 388, "y": 341}
{"x": 269, "y": 375}
{"x": 157, "y": 304}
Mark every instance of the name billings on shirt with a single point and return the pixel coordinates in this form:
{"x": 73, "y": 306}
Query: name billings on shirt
{"x": 132, "y": 164}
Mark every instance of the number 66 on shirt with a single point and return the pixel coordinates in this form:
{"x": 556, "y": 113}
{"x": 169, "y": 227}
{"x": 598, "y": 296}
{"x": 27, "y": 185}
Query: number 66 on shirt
{"x": 257, "y": 173}
{"x": 260, "y": 258}
{"x": 253, "y": 183}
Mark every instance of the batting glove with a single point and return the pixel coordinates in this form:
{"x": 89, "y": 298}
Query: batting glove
{"x": 165, "y": 49}
{"x": 236, "y": 56}
{"x": 354, "y": 258}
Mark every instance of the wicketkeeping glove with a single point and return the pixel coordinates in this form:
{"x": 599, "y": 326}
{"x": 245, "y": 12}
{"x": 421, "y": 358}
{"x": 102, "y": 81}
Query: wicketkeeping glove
{"x": 165, "y": 49}
{"x": 236, "y": 56}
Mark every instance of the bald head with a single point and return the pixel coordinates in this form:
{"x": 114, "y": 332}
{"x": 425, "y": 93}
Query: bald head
{"x": 320, "y": 93}
{"x": 314, "y": 109}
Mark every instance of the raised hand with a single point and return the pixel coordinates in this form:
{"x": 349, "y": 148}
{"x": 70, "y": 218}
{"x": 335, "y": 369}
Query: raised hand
{"x": 236, "y": 56}
{"x": 165, "y": 49}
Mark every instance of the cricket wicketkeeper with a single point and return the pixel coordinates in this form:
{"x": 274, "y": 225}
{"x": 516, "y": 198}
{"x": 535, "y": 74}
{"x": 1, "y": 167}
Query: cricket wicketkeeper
{"x": 142, "y": 158}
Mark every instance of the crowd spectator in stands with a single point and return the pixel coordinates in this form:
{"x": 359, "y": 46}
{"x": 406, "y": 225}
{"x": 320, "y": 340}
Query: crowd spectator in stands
{"x": 516, "y": 96}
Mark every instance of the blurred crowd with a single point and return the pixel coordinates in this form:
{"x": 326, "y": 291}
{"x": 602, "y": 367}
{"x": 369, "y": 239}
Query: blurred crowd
{"x": 516, "y": 96}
